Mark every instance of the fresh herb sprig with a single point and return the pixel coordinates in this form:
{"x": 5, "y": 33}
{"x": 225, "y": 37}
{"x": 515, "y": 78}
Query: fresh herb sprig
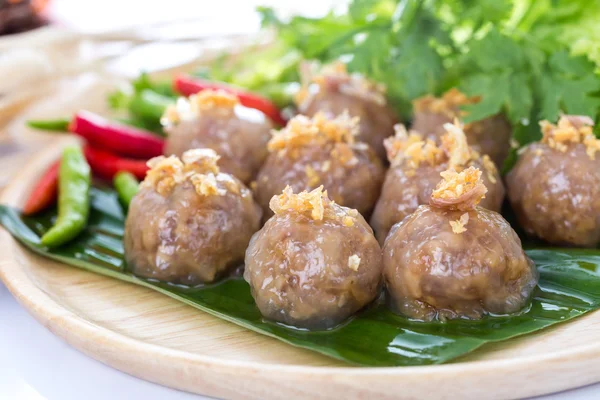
{"x": 529, "y": 59}
{"x": 520, "y": 56}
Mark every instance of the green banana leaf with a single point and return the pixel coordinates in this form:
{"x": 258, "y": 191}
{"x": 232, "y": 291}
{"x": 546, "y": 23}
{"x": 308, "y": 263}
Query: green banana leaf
{"x": 569, "y": 286}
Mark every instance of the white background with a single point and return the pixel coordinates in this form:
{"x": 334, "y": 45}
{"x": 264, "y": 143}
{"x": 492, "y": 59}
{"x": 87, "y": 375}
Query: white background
{"x": 36, "y": 365}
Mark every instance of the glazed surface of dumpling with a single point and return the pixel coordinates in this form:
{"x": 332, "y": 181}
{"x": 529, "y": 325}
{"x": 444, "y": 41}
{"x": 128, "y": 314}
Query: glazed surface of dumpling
{"x": 334, "y": 92}
{"x": 446, "y": 261}
{"x": 554, "y": 187}
{"x": 319, "y": 151}
{"x": 438, "y": 273}
{"x": 313, "y": 272}
{"x": 189, "y": 231}
{"x": 238, "y": 134}
{"x": 415, "y": 167}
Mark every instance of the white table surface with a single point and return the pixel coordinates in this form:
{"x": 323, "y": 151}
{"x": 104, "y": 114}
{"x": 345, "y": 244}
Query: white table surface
{"x": 36, "y": 365}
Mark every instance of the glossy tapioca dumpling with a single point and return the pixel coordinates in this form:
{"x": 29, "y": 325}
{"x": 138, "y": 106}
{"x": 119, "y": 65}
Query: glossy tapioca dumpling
{"x": 310, "y": 152}
{"x": 332, "y": 90}
{"x": 453, "y": 259}
{"x": 189, "y": 223}
{"x": 490, "y": 136}
{"x": 415, "y": 167}
{"x": 554, "y": 187}
{"x": 216, "y": 120}
{"x": 314, "y": 263}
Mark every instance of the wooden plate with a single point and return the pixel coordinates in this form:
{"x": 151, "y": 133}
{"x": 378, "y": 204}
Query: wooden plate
{"x": 153, "y": 337}
{"x": 161, "y": 340}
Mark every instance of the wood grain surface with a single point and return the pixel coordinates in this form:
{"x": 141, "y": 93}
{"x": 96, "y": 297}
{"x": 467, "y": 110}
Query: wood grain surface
{"x": 153, "y": 337}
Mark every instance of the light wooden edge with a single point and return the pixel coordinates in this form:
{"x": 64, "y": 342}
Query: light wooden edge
{"x": 138, "y": 358}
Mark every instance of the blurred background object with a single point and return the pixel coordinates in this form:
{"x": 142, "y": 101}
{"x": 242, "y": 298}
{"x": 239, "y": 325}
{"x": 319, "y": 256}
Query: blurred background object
{"x": 93, "y": 46}
{"x": 199, "y": 18}
{"x": 127, "y": 36}
{"x": 21, "y": 15}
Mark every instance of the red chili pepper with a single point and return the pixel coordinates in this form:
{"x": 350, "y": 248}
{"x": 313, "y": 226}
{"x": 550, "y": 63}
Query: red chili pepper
{"x": 105, "y": 164}
{"x": 120, "y": 139}
{"x": 188, "y": 86}
{"x": 45, "y": 191}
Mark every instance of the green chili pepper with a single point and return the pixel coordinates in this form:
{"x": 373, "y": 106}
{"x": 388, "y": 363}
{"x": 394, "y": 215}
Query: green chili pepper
{"x": 56, "y": 125}
{"x": 126, "y": 185}
{"x": 149, "y": 104}
{"x": 74, "y": 181}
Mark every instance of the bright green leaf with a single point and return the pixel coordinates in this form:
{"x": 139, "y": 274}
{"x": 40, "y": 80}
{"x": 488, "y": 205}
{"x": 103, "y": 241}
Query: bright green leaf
{"x": 519, "y": 102}
{"x": 569, "y": 85}
{"x": 369, "y": 10}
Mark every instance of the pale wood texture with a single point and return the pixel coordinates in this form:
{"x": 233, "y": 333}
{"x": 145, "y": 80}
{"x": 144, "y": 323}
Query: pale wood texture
{"x": 158, "y": 339}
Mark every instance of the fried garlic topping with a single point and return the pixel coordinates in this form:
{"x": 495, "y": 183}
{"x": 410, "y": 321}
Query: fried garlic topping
{"x": 354, "y": 262}
{"x": 206, "y": 185}
{"x": 415, "y": 149}
{"x": 318, "y": 130}
{"x": 314, "y": 204}
{"x": 199, "y": 166}
{"x": 189, "y": 108}
{"x": 422, "y": 151}
{"x": 571, "y": 129}
{"x": 459, "y": 226}
{"x": 344, "y": 153}
{"x": 459, "y": 191}
{"x": 454, "y": 143}
{"x": 412, "y": 148}
{"x": 312, "y": 176}
{"x": 335, "y": 76}
{"x": 592, "y": 145}
{"x": 448, "y": 104}
{"x": 490, "y": 168}
{"x": 201, "y": 160}
{"x": 164, "y": 174}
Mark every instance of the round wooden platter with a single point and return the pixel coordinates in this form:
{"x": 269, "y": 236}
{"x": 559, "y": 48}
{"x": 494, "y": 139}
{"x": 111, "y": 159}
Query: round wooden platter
{"x": 153, "y": 337}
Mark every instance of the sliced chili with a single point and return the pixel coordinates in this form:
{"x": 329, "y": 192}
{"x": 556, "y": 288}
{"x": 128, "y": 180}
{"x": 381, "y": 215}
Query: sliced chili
{"x": 106, "y": 165}
{"x": 117, "y": 138}
{"x": 44, "y": 192}
{"x": 188, "y": 86}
